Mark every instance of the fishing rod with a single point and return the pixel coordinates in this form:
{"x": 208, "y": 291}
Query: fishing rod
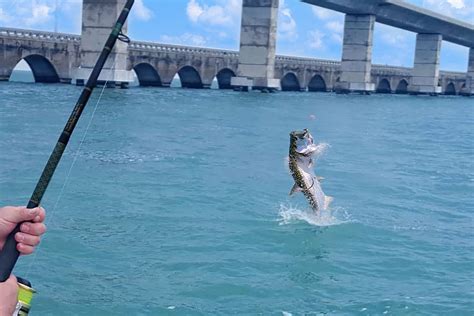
{"x": 9, "y": 254}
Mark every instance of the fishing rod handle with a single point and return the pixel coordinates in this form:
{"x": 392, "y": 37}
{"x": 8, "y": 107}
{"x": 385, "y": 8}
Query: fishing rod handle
{"x": 9, "y": 254}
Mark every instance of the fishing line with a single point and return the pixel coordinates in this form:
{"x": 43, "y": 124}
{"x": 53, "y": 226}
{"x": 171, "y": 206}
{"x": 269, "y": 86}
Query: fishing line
{"x": 9, "y": 254}
{"x": 51, "y": 213}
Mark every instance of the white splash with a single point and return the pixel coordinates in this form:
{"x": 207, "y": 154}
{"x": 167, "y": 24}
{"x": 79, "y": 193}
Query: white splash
{"x": 321, "y": 149}
{"x": 289, "y": 215}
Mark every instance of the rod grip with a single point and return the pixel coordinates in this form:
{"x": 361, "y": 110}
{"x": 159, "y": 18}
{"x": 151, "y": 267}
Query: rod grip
{"x": 9, "y": 254}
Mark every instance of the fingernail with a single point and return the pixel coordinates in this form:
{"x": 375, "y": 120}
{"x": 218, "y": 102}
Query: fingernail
{"x": 33, "y": 211}
{"x": 37, "y": 218}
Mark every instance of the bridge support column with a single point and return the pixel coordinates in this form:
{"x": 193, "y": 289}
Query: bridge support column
{"x": 257, "y": 46}
{"x": 356, "y": 61}
{"x": 426, "y": 69}
{"x": 98, "y": 18}
{"x": 469, "y": 88}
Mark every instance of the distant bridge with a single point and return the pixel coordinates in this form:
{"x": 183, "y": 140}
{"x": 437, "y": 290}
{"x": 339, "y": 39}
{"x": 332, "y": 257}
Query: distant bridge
{"x": 431, "y": 27}
{"x": 54, "y": 56}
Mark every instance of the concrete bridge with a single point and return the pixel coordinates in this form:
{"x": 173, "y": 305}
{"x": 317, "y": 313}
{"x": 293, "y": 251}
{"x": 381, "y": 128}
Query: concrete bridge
{"x": 58, "y": 57}
{"x": 431, "y": 29}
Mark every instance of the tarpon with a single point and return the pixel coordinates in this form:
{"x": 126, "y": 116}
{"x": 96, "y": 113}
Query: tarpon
{"x": 301, "y": 161}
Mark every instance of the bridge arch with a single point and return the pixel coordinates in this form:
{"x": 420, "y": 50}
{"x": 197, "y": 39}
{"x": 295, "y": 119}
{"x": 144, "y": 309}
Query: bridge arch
{"x": 317, "y": 83}
{"x": 450, "y": 89}
{"x": 147, "y": 75}
{"x": 384, "y": 86}
{"x": 223, "y": 78}
{"x": 290, "y": 82}
{"x": 42, "y": 69}
{"x": 190, "y": 78}
{"x": 402, "y": 87}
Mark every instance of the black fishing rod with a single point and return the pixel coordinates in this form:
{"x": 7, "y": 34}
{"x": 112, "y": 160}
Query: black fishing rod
{"x": 9, "y": 254}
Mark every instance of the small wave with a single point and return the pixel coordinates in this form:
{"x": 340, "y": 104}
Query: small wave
{"x": 121, "y": 157}
{"x": 289, "y": 214}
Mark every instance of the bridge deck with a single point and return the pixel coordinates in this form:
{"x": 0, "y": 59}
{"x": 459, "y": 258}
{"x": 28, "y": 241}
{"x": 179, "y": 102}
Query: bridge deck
{"x": 405, "y": 16}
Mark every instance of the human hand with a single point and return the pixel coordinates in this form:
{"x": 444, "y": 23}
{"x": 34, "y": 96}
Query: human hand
{"x": 8, "y": 296}
{"x": 29, "y": 235}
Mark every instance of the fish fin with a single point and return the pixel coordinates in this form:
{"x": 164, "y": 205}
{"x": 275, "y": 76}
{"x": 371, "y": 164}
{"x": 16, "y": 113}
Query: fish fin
{"x": 294, "y": 189}
{"x": 327, "y": 201}
{"x": 320, "y": 178}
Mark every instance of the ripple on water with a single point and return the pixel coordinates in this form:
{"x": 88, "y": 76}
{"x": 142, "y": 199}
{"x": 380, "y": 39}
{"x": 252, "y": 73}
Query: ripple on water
{"x": 173, "y": 205}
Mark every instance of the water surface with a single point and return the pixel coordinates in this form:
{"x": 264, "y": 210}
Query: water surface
{"x": 178, "y": 203}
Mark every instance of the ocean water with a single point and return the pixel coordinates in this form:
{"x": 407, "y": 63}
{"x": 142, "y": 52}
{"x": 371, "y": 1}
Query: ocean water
{"x": 177, "y": 203}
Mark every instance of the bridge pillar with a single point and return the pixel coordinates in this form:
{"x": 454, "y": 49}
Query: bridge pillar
{"x": 356, "y": 61}
{"x": 257, "y": 46}
{"x": 98, "y": 18}
{"x": 425, "y": 75}
{"x": 469, "y": 88}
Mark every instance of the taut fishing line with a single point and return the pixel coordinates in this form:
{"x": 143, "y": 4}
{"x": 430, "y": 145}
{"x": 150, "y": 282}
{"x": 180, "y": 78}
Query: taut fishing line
{"x": 51, "y": 213}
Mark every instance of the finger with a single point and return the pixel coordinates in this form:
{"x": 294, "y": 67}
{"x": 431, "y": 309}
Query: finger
{"x": 18, "y": 214}
{"x": 29, "y": 240}
{"x": 36, "y": 229}
{"x": 25, "y": 249}
{"x": 41, "y": 216}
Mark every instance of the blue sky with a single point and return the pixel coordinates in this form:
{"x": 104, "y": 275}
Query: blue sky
{"x": 304, "y": 30}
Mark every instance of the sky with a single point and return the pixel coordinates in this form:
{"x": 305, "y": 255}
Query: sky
{"x": 303, "y": 30}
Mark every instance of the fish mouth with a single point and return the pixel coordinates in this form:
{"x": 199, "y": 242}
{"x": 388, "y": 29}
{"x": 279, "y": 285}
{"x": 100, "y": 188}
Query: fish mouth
{"x": 304, "y": 142}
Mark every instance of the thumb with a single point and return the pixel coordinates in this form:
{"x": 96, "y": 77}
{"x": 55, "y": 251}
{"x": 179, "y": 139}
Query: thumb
{"x": 18, "y": 214}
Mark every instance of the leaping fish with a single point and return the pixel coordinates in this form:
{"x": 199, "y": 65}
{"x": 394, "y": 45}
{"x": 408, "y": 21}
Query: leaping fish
{"x": 301, "y": 153}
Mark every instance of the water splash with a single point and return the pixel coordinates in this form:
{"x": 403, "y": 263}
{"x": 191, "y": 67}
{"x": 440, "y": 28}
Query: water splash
{"x": 322, "y": 148}
{"x": 289, "y": 215}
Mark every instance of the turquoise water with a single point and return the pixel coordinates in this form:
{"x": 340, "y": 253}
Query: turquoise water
{"x": 178, "y": 203}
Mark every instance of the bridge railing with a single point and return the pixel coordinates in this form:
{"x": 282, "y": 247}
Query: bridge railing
{"x": 397, "y": 70}
{"x": 39, "y": 35}
{"x": 150, "y": 46}
{"x": 453, "y": 74}
{"x": 306, "y": 60}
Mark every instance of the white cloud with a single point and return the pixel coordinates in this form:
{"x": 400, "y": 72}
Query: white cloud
{"x": 224, "y": 13}
{"x": 337, "y": 38}
{"x": 335, "y": 26}
{"x": 316, "y": 39}
{"x": 393, "y": 36}
{"x": 4, "y": 17}
{"x": 185, "y": 39}
{"x": 460, "y": 9}
{"x": 32, "y": 13}
{"x": 194, "y": 10}
{"x": 141, "y": 11}
{"x": 457, "y": 4}
{"x": 325, "y": 14}
{"x": 40, "y": 13}
{"x": 286, "y": 24}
